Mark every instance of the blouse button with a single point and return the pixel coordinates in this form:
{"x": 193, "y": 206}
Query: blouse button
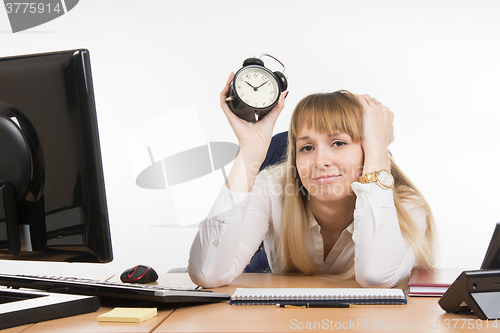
{"x": 216, "y": 242}
{"x": 229, "y": 207}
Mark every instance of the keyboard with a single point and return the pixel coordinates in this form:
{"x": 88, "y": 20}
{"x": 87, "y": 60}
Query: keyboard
{"x": 130, "y": 291}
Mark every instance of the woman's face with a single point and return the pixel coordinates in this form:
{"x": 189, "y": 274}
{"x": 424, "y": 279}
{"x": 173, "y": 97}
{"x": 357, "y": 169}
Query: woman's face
{"x": 328, "y": 163}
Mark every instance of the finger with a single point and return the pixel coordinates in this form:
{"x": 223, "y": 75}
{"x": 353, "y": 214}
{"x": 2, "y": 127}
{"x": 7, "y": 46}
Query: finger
{"x": 223, "y": 93}
{"x": 371, "y": 101}
{"x": 231, "y": 117}
{"x": 366, "y": 97}
{"x": 276, "y": 111}
{"x": 230, "y": 78}
{"x": 228, "y": 83}
{"x": 281, "y": 101}
{"x": 363, "y": 100}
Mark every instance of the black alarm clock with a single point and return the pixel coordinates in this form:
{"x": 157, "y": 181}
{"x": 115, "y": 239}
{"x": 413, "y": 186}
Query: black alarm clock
{"x": 255, "y": 89}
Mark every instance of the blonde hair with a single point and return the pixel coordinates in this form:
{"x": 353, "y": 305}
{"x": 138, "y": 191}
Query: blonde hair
{"x": 327, "y": 113}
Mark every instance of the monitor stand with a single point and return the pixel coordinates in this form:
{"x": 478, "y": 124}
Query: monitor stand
{"x": 8, "y": 200}
{"x": 15, "y": 176}
{"x": 21, "y": 307}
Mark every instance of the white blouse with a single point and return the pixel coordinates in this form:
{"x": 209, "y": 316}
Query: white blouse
{"x": 238, "y": 223}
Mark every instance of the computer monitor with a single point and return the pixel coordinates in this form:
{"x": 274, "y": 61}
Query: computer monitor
{"x": 492, "y": 258}
{"x": 52, "y": 195}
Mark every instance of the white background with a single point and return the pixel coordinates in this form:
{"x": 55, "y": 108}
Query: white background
{"x": 434, "y": 63}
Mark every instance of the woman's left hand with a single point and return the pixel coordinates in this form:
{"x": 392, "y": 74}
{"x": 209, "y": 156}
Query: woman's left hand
{"x": 378, "y": 133}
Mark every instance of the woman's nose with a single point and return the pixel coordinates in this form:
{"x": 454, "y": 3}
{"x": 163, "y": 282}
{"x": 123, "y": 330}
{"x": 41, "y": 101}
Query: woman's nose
{"x": 322, "y": 158}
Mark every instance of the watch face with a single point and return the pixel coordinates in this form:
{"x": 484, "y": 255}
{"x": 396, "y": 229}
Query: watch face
{"x": 256, "y": 87}
{"x": 385, "y": 178}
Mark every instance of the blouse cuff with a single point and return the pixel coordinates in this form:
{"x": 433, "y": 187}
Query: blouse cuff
{"x": 372, "y": 195}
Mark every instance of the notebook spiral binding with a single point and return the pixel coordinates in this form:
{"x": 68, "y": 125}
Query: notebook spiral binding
{"x": 244, "y": 296}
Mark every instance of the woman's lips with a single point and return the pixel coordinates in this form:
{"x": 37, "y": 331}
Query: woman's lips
{"x": 326, "y": 179}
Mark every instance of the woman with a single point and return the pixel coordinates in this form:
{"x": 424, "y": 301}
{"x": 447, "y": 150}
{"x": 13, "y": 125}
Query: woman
{"x": 312, "y": 211}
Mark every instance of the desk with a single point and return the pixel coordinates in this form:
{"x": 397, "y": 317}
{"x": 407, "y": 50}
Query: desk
{"x": 88, "y": 323}
{"x": 419, "y": 315}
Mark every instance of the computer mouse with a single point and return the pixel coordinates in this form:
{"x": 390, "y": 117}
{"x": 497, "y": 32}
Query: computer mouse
{"x": 139, "y": 274}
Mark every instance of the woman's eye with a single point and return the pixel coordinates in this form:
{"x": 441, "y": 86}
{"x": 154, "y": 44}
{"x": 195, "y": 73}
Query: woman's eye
{"x": 306, "y": 148}
{"x": 339, "y": 143}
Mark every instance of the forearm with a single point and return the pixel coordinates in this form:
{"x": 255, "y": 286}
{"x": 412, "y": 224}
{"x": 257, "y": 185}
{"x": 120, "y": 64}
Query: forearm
{"x": 212, "y": 256}
{"x": 382, "y": 256}
{"x": 376, "y": 158}
{"x": 227, "y": 239}
{"x": 253, "y": 140}
{"x": 216, "y": 256}
{"x": 245, "y": 169}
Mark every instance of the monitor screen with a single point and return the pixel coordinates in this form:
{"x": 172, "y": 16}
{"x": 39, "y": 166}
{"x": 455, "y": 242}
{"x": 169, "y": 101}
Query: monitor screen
{"x": 492, "y": 257}
{"x": 52, "y": 195}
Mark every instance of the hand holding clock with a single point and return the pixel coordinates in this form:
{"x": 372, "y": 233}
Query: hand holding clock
{"x": 253, "y": 138}
{"x": 249, "y": 134}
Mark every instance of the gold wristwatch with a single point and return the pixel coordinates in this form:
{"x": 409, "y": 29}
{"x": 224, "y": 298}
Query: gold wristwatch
{"x": 383, "y": 178}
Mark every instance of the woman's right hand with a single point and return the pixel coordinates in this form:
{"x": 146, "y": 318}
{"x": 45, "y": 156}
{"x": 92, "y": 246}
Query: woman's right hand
{"x": 253, "y": 138}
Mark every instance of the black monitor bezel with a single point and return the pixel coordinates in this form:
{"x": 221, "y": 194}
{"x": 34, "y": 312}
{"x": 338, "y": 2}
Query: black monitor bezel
{"x": 492, "y": 257}
{"x": 77, "y": 78}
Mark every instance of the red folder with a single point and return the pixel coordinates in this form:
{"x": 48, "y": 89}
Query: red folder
{"x": 433, "y": 282}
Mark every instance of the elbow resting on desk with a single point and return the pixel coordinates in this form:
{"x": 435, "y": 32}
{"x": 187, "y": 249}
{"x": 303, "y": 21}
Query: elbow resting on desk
{"x": 367, "y": 280}
{"x": 211, "y": 271}
{"x": 375, "y": 276}
{"x": 211, "y": 281}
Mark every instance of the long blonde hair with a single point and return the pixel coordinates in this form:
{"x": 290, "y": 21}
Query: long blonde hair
{"x": 327, "y": 113}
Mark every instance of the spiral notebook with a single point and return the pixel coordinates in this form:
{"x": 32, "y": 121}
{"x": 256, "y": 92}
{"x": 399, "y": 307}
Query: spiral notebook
{"x": 243, "y": 296}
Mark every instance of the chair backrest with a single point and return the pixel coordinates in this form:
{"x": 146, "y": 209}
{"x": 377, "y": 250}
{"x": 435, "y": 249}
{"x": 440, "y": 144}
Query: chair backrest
{"x": 276, "y": 151}
{"x": 275, "y": 154}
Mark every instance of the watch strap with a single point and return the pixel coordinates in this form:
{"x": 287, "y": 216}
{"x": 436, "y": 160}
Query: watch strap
{"x": 368, "y": 178}
{"x": 373, "y": 177}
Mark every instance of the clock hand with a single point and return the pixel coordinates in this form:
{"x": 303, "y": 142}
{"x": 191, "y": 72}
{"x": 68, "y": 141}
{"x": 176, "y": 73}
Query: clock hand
{"x": 251, "y": 86}
{"x": 261, "y": 85}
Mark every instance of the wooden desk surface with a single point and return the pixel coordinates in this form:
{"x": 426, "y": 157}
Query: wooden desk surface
{"x": 419, "y": 315}
{"x": 88, "y": 323}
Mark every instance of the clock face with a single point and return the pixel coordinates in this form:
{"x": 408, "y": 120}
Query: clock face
{"x": 386, "y": 178}
{"x": 256, "y": 87}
